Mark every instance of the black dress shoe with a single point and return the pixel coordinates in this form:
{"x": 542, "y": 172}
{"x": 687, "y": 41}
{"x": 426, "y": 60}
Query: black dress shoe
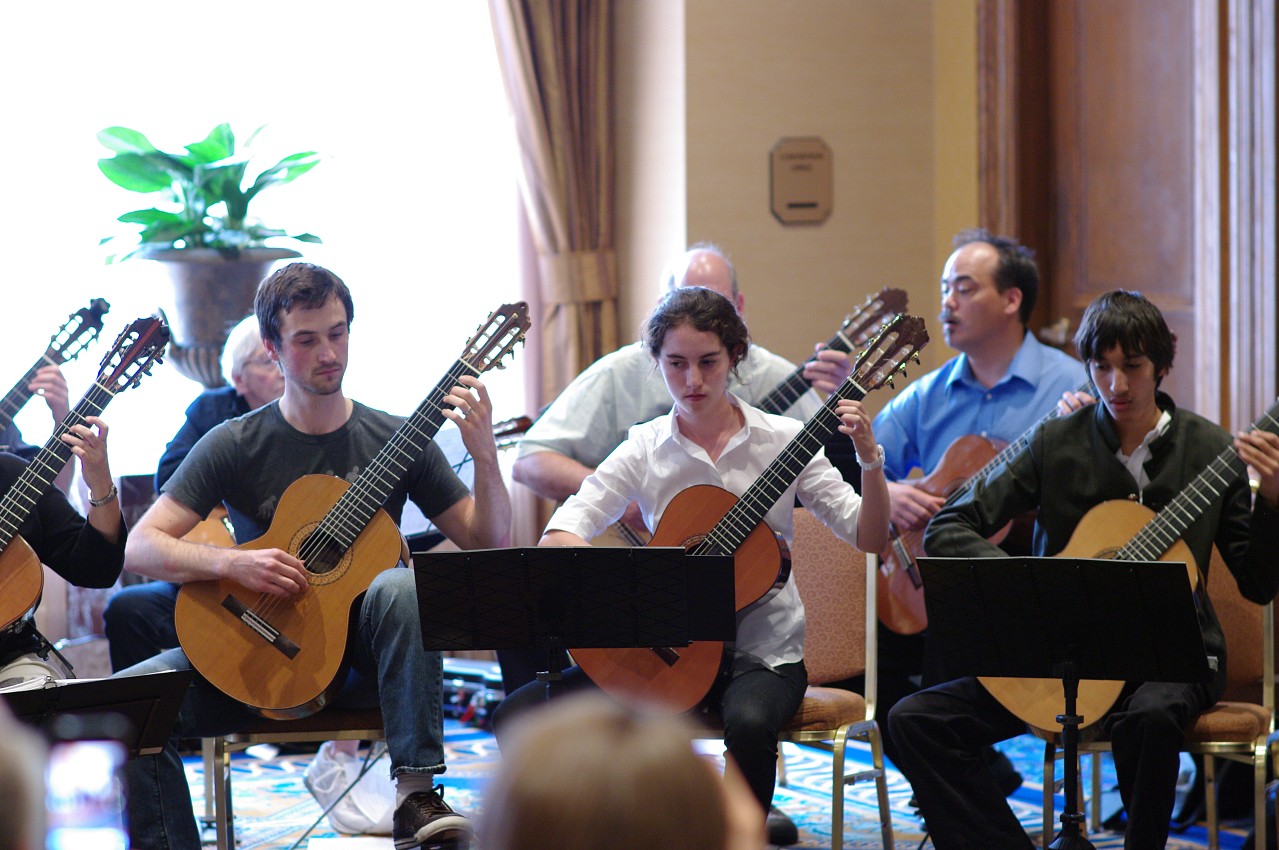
{"x": 781, "y": 829}
{"x": 1006, "y": 776}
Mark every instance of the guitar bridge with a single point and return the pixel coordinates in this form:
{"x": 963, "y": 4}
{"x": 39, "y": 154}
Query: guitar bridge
{"x": 667, "y": 654}
{"x": 264, "y": 629}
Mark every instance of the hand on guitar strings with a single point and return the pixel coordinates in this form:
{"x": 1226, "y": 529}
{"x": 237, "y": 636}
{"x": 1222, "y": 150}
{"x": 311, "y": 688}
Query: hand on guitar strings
{"x": 912, "y": 507}
{"x": 272, "y": 571}
{"x": 1260, "y": 450}
{"x": 88, "y": 441}
{"x": 468, "y": 405}
{"x": 828, "y": 369}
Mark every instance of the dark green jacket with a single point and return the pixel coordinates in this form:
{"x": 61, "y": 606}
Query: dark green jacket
{"x": 1070, "y": 466}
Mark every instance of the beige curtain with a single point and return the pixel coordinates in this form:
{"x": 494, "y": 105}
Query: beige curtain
{"x": 555, "y": 57}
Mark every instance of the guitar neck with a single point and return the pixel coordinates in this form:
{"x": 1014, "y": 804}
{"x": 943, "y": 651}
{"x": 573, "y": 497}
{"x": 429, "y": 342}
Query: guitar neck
{"x": 1168, "y": 526}
{"x": 344, "y": 522}
{"x": 855, "y": 327}
{"x": 37, "y": 478}
{"x": 16, "y": 398}
{"x": 789, "y": 391}
{"x": 758, "y": 500}
{"x": 1010, "y": 451}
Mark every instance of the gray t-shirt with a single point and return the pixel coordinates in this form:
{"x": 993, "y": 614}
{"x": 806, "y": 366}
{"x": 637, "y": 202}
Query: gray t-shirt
{"x": 247, "y": 463}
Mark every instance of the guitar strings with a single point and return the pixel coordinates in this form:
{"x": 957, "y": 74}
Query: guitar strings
{"x": 39, "y": 474}
{"x": 355, "y": 508}
{"x": 1167, "y": 527}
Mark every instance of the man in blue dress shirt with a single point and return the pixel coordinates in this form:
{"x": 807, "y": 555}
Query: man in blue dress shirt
{"x": 1002, "y": 382}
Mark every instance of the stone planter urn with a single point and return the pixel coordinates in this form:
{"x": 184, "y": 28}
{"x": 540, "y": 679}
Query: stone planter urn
{"x": 210, "y": 295}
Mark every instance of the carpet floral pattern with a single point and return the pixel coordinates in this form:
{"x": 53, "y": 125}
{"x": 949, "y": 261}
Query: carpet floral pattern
{"x": 273, "y": 807}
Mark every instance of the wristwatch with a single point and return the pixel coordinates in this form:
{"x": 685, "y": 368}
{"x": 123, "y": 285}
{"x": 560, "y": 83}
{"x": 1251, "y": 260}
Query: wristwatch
{"x": 111, "y": 494}
{"x": 874, "y": 464}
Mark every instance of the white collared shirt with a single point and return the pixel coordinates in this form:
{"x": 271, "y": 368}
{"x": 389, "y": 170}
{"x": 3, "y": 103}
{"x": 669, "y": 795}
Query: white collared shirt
{"x": 1136, "y": 462}
{"x": 656, "y": 462}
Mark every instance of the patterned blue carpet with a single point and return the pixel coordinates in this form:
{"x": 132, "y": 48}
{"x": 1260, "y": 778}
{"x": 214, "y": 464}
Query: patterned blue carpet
{"x": 273, "y": 807}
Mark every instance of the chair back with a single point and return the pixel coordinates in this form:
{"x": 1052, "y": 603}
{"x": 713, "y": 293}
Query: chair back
{"x": 1241, "y": 624}
{"x": 831, "y": 577}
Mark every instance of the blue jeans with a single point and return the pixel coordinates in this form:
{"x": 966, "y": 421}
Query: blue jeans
{"x": 138, "y": 622}
{"x": 385, "y": 649}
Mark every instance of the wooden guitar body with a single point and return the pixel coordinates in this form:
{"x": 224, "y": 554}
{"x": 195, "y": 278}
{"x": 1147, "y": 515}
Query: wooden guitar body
{"x": 291, "y": 675}
{"x": 213, "y": 530}
{"x": 900, "y": 594}
{"x": 21, "y": 581}
{"x": 1103, "y": 530}
{"x": 679, "y": 677}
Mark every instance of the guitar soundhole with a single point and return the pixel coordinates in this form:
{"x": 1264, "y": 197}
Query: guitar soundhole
{"x": 324, "y": 557}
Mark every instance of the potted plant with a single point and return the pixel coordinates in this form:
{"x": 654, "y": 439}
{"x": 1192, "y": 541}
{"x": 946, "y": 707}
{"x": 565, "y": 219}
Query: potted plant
{"x": 201, "y": 230}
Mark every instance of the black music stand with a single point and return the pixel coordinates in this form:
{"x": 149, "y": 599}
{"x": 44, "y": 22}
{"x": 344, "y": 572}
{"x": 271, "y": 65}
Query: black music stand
{"x": 578, "y": 596}
{"x": 1068, "y": 619}
{"x": 148, "y": 705}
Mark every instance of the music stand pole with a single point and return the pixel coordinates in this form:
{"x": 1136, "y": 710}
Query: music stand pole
{"x": 1071, "y": 836}
{"x": 552, "y": 676}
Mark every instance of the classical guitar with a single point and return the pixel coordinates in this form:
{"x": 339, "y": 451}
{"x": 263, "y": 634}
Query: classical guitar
{"x": 966, "y": 461}
{"x": 76, "y": 334}
{"x": 857, "y": 327}
{"x": 139, "y": 347}
{"x": 1125, "y": 531}
{"x": 282, "y": 657}
{"x": 707, "y": 520}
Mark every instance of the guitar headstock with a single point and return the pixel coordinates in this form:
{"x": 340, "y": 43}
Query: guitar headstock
{"x": 138, "y": 348}
{"x": 78, "y": 332}
{"x": 497, "y": 337}
{"x": 860, "y": 324}
{"x": 899, "y": 341}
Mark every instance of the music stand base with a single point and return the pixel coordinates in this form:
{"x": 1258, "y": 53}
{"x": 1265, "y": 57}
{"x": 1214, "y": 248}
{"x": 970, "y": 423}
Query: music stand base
{"x": 1070, "y": 840}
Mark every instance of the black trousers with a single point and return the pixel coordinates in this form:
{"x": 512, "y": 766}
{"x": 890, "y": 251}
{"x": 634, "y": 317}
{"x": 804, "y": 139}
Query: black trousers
{"x": 754, "y": 705}
{"x": 941, "y": 732}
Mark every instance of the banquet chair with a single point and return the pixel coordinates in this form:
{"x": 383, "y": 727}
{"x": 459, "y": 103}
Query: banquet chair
{"x": 331, "y": 724}
{"x": 1238, "y": 728}
{"x": 838, "y": 584}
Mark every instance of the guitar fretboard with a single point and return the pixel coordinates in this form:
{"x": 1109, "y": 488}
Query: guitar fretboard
{"x": 37, "y": 478}
{"x": 353, "y": 511}
{"x": 729, "y": 533}
{"x": 852, "y": 332}
{"x": 1168, "y": 526}
{"x": 1010, "y": 451}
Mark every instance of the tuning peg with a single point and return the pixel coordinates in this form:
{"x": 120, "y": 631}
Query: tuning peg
{"x": 890, "y": 382}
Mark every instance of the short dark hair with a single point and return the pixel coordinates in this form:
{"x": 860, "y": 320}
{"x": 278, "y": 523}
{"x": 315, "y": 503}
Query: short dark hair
{"x": 704, "y": 310}
{"x": 1128, "y": 320}
{"x": 297, "y": 285}
{"x": 1016, "y": 266}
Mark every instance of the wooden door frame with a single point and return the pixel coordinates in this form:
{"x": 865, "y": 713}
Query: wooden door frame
{"x": 1234, "y": 227}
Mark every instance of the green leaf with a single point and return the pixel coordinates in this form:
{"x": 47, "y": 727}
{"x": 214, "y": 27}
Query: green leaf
{"x": 136, "y": 172}
{"x": 285, "y": 171}
{"x": 152, "y": 217}
{"x": 217, "y": 146}
{"x": 124, "y": 140}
